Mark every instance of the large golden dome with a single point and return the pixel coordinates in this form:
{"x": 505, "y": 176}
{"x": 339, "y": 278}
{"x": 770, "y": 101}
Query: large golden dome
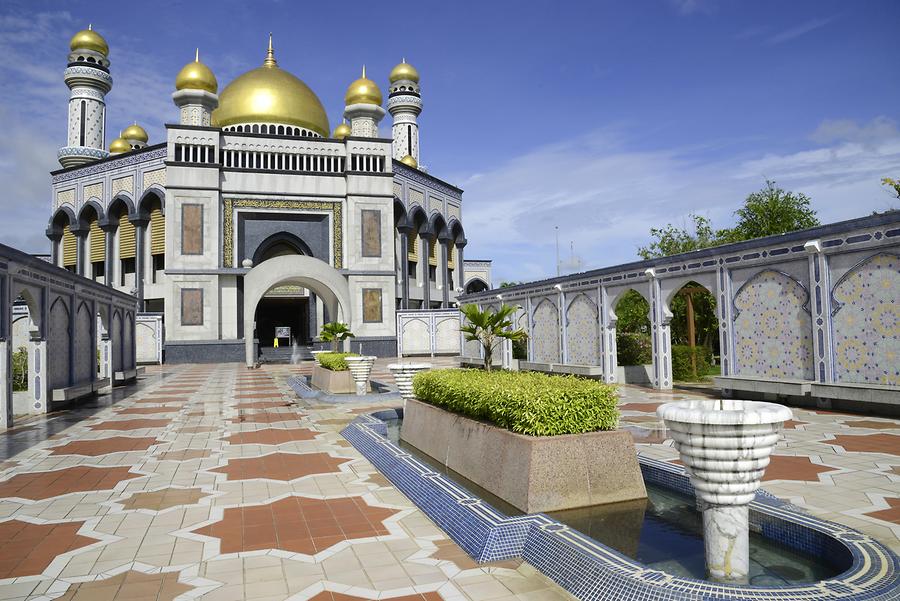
{"x": 88, "y": 39}
{"x": 135, "y": 132}
{"x": 270, "y": 95}
{"x": 363, "y": 91}
{"x": 118, "y": 146}
{"x": 404, "y": 71}
{"x": 341, "y": 131}
{"x": 196, "y": 76}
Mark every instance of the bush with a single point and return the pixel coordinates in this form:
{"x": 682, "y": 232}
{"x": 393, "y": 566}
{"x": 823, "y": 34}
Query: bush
{"x": 633, "y": 348}
{"x": 335, "y": 361}
{"x": 20, "y": 368}
{"x": 520, "y": 349}
{"x": 525, "y": 402}
{"x": 681, "y": 362}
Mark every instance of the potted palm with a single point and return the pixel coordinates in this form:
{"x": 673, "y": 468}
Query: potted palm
{"x": 489, "y": 328}
{"x": 335, "y": 332}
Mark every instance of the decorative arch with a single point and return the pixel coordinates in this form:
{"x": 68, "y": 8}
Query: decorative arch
{"x": 418, "y": 219}
{"x": 275, "y": 239}
{"x": 401, "y": 217}
{"x": 456, "y": 231}
{"x": 31, "y": 297}
{"x": 58, "y": 340}
{"x": 84, "y": 219}
{"x": 582, "y": 331}
{"x": 154, "y": 192}
{"x": 120, "y": 201}
{"x": 866, "y": 322}
{"x": 314, "y": 274}
{"x": 63, "y": 216}
{"x": 545, "y": 332}
{"x": 476, "y": 285}
{"x": 437, "y": 225}
{"x": 772, "y": 327}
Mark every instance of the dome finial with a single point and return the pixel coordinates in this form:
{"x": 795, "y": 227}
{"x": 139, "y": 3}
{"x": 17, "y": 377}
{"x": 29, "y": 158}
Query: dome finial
{"x": 197, "y": 56}
{"x": 90, "y": 27}
{"x": 270, "y": 55}
{"x": 364, "y": 72}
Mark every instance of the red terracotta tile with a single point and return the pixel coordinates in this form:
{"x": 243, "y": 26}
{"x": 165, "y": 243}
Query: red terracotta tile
{"x": 148, "y": 410}
{"x": 104, "y": 446}
{"x": 258, "y": 395}
{"x": 263, "y": 405}
{"x": 645, "y": 407}
{"x": 788, "y": 467}
{"x": 282, "y": 466}
{"x": 868, "y": 443}
{"x": 44, "y": 485}
{"x": 892, "y": 514}
{"x": 27, "y": 549}
{"x": 268, "y": 418}
{"x": 131, "y": 424}
{"x": 272, "y": 436}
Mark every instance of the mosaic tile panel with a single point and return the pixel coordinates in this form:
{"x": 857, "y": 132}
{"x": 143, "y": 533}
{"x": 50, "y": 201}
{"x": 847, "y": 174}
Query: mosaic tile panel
{"x": 582, "y": 332}
{"x": 545, "y": 332}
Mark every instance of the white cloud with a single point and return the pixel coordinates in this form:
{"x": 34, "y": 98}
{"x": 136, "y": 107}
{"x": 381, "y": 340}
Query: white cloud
{"x": 799, "y": 30}
{"x": 605, "y": 197}
{"x": 875, "y": 131}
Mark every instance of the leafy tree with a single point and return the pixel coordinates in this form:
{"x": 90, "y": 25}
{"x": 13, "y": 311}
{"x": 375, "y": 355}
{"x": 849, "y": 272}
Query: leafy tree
{"x": 770, "y": 211}
{"x": 509, "y": 284}
{"x": 893, "y": 184}
{"x": 671, "y": 240}
{"x": 335, "y": 332}
{"x": 632, "y": 313}
{"x": 489, "y": 328}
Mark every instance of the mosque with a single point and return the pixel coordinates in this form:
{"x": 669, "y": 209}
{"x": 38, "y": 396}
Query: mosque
{"x": 254, "y": 220}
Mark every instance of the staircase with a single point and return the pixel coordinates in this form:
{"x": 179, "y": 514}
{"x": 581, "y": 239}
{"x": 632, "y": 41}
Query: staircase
{"x": 283, "y": 354}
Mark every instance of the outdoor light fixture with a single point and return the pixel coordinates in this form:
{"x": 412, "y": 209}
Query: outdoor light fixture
{"x": 558, "y": 287}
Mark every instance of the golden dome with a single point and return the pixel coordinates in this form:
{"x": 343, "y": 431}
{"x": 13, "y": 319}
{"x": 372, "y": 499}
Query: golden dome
{"x": 88, "y": 39}
{"x": 196, "y": 76}
{"x": 270, "y": 95}
{"x": 341, "y": 131}
{"x": 410, "y": 161}
{"x": 135, "y": 132}
{"x": 404, "y": 71}
{"x": 118, "y": 146}
{"x": 363, "y": 91}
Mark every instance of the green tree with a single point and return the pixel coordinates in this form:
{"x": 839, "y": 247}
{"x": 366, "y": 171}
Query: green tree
{"x": 335, "y": 332}
{"x": 671, "y": 240}
{"x": 489, "y": 328}
{"x": 632, "y": 313}
{"x": 893, "y": 184}
{"x": 509, "y": 284}
{"x": 770, "y": 211}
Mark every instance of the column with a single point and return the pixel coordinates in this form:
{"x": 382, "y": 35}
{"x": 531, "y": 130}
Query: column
{"x": 445, "y": 250}
{"x": 563, "y": 326}
{"x": 81, "y": 259}
{"x": 105, "y": 348}
{"x": 659, "y": 335}
{"x": 820, "y": 309}
{"x": 426, "y": 281}
{"x": 37, "y": 373}
{"x": 461, "y": 266}
{"x": 6, "y": 386}
{"x": 528, "y": 318}
{"x": 405, "y": 232}
{"x": 54, "y": 238}
{"x": 109, "y": 256}
{"x": 608, "y": 359}
{"x": 725, "y": 311}
{"x": 140, "y": 229}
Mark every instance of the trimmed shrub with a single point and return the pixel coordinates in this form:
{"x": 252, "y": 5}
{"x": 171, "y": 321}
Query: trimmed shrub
{"x": 20, "y": 368}
{"x": 681, "y": 362}
{"x": 335, "y": 361}
{"x": 633, "y": 348}
{"x": 525, "y": 402}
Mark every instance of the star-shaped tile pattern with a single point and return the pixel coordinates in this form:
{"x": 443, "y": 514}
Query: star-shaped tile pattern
{"x": 891, "y": 514}
{"x": 148, "y": 410}
{"x": 132, "y": 585}
{"x": 130, "y": 424}
{"x": 263, "y": 405}
{"x": 158, "y": 500}
{"x": 183, "y": 455}
{"x": 868, "y": 443}
{"x": 104, "y": 446}
{"x": 331, "y": 596}
{"x": 873, "y": 424}
{"x": 45, "y": 485}
{"x": 272, "y": 436}
{"x": 269, "y": 417}
{"x": 27, "y": 549}
{"x": 297, "y": 524}
{"x": 788, "y": 467}
{"x": 645, "y": 407}
{"x": 282, "y": 466}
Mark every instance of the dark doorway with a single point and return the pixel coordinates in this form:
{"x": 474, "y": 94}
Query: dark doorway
{"x": 272, "y": 313}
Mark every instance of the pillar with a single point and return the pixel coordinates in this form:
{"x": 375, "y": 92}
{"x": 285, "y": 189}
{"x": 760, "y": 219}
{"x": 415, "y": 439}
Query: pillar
{"x": 608, "y": 360}
{"x": 461, "y": 265}
{"x": 820, "y": 309}
{"x": 660, "y": 318}
{"x": 140, "y": 230}
{"x": 109, "y": 256}
{"x": 54, "y": 238}
{"x": 725, "y": 310}
{"x": 405, "y": 232}
{"x": 426, "y": 281}
{"x": 530, "y": 325}
{"x": 105, "y": 348}
{"x": 81, "y": 252}
{"x": 563, "y": 327}
{"x": 37, "y": 373}
{"x": 6, "y": 386}
{"x": 445, "y": 250}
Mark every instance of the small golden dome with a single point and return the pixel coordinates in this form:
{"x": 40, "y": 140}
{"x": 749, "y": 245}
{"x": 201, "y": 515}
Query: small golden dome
{"x": 341, "y": 131}
{"x": 363, "y": 91}
{"x": 118, "y": 146}
{"x": 269, "y": 94}
{"x": 196, "y": 76}
{"x": 88, "y": 39}
{"x": 404, "y": 71}
{"x": 410, "y": 161}
{"x": 135, "y": 132}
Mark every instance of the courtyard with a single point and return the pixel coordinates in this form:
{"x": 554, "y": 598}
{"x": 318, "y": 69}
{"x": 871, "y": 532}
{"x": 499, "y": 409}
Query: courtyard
{"x": 218, "y": 482}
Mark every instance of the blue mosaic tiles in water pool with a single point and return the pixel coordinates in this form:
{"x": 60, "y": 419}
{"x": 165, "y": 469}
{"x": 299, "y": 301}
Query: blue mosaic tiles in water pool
{"x": 592, "y": 571}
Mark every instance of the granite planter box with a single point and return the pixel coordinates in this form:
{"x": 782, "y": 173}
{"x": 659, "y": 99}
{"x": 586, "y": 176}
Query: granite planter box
{"x": 335, "y": 382}
{"x": 533, "y": 473}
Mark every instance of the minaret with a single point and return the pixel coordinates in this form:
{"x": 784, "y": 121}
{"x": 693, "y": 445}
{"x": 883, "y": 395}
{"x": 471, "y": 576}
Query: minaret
{"x": 88, "y": 78}
{"x": 363, "y": 107}
{"x": 405, "y": 104}
{"x": 196, "y": 89}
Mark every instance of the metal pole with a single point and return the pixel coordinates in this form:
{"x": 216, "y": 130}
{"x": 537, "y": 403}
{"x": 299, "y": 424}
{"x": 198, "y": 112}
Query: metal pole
{"x": 556, "y": 227}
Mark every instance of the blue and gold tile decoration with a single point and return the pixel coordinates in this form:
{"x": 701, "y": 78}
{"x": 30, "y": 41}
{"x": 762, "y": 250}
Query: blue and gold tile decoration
{"x": 591, "y": 571}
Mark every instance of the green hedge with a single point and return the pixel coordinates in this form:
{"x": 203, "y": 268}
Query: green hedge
{"x": 335, "y": 361}
{"x": 681, "y": 362}
{"x": 633, "y": 349}
{"x": 526, "y": 402}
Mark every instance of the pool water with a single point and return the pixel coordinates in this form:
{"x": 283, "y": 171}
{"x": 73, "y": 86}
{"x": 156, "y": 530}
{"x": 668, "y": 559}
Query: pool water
{"x": 663, "y": 532}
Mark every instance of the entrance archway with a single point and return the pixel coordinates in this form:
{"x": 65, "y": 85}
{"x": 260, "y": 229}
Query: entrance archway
{"x": 297, "y": 270}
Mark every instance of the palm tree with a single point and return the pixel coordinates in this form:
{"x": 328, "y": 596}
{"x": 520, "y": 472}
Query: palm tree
{"x": 336, "y": 332}
{"x": 489, "y": 328}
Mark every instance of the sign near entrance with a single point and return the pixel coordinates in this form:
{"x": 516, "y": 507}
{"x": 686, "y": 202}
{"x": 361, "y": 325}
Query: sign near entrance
{"x": 282, "y": 332}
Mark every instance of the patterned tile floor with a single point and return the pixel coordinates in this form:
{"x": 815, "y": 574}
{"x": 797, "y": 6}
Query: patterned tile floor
{"x": 215, "y": 482}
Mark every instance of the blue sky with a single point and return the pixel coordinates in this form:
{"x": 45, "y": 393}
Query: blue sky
{"x": 604, "y": 118}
